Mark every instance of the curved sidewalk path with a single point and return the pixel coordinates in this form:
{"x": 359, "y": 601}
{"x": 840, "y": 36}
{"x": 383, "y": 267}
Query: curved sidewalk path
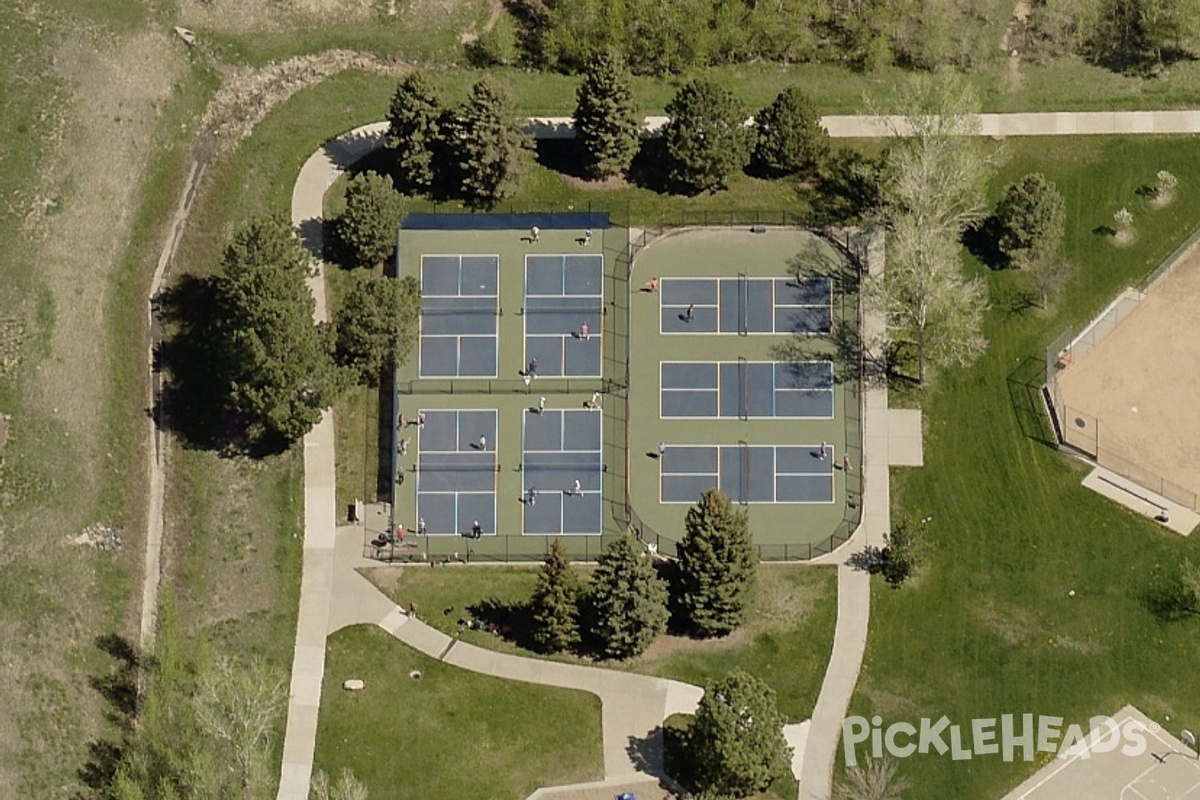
{"x": 886, "y": 433}
{"x": 333, "y": 595}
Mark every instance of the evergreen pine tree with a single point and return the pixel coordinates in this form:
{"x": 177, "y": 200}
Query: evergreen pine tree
{"x": 1031, "y": 215}
{"x": 491, "y": 151}
{"x": 277, "y": 363}
{"x": 555, "y": 602}
{"x": 790, "y": 137}
{"x": 707, "y": 139}
{"x": 605, "y": 122}
{"x": 736, "y": 741}
{"x": 377, "y": 324}
{"x": 370, "y": 223}
{"x": 716, "y": 570}
{"x": 629, "y": 600}
{"x": 413, "y": 132}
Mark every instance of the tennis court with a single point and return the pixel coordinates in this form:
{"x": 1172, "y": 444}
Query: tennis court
{"x": 460, "y": 306}
{"x": 562, "y": 469}
{"x": 564, "y": 314}
{"x": 456, "y": 471}
{"x": 746, "y": 389}
{"x": 748, "y": 473}
{"x": 746, "y": 305}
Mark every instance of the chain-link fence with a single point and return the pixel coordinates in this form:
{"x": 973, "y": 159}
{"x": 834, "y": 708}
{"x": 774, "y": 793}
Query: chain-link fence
{"x": 1084, "y": 432}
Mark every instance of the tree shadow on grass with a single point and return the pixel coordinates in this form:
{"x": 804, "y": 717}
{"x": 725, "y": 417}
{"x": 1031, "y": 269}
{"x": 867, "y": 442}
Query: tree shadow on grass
{"x": 118, "y": 686}
{"x": 386, "y": 418}
{"x": 564, "y": 156}
{"x": 649, "y": 169}
{"x": 191, "y": 400}
{"x": 983, "y": 242}
{"x": 1025, "y": 396}
{"x": 511, "y": 621}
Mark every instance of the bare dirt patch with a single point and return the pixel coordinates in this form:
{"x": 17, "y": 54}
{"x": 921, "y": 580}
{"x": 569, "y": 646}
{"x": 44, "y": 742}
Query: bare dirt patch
{"x": 248, "y": 95}
{"x": 1012, "y": 625}
{"x": 117, "y": 88}
{"x": 1142, "y": 379}
{"x": 603, "y": 185}
{"x": 1162, "y": 199}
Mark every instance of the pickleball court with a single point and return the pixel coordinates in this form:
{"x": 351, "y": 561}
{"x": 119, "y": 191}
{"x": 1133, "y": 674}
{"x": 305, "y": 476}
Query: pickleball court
{"x": 746, "y": 305}
{"x": 748, "y": 473}
{"x": 560, "y": 447}
{"x": 456, "y": 471}
{"x": 564, "y": 314}
{"x": 459, "y": 316}
{"x": 747, "y": 389}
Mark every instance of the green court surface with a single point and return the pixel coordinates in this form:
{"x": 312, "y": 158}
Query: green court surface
{"x": 469, "y": 375}
{"x": 784, "y": 529}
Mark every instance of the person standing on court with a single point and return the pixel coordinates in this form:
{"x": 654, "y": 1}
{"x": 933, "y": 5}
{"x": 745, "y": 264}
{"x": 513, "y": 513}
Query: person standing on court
{"x": 662, "y": 449}
{"x": 542, "y": 404}
{"x": 531, "y": 370}
{"x": 578, "y": 490}
{"x": 482, "y": 442}
{"x": 532, "y": 496}
{"x": 535, "y": 235}
{"x": 824, "y": 447}
{"x": 587, "y": 237}
{"x": 690, "y": 309}
{"x": 585, "y": 331}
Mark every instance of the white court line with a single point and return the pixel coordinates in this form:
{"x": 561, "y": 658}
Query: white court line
{"x": 1093, "y": 739}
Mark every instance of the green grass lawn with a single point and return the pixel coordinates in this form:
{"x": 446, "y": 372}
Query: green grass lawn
{"x": 786, "y": 640}
{"x": 452, "y": 733}
{"x": 988, "y": 627}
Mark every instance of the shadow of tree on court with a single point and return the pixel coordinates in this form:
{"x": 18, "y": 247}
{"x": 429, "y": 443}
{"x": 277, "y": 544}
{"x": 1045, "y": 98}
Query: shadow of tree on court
{"x": 880, "y": 364}
{"x": 191, "y": 401}
{"x": 1025, "y": 396}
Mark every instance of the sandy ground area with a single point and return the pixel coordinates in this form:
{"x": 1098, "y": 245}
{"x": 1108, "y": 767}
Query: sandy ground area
{"x": 1141, "y": 383}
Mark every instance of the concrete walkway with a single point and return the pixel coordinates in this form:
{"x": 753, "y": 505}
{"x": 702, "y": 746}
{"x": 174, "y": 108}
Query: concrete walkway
{"x": 1051, "y": 123}
{"x": 320, "y": 512}
{"x": 334, "y": 595}
{"x": 888, "y": 441}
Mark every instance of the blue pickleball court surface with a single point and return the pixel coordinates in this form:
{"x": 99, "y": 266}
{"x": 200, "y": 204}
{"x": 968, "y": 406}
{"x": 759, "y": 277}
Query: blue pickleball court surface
{"x": 748, "y": 473}
{"x": 746, "y": 305}
{"x": 562, "y": 446}
{"x": 746, "y": 389}
{"x": 456, "y": 472}
{"x": 459, "y": 319}
{"x": 564, "y": 314}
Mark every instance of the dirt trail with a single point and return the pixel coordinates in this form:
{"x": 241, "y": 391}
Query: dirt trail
{"x": 1013, "y": 35}
{"x": 244, "y": 100}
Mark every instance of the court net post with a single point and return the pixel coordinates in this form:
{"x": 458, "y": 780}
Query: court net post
{"x": 744, "y": 488}
{"x": 743, "y": 389}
